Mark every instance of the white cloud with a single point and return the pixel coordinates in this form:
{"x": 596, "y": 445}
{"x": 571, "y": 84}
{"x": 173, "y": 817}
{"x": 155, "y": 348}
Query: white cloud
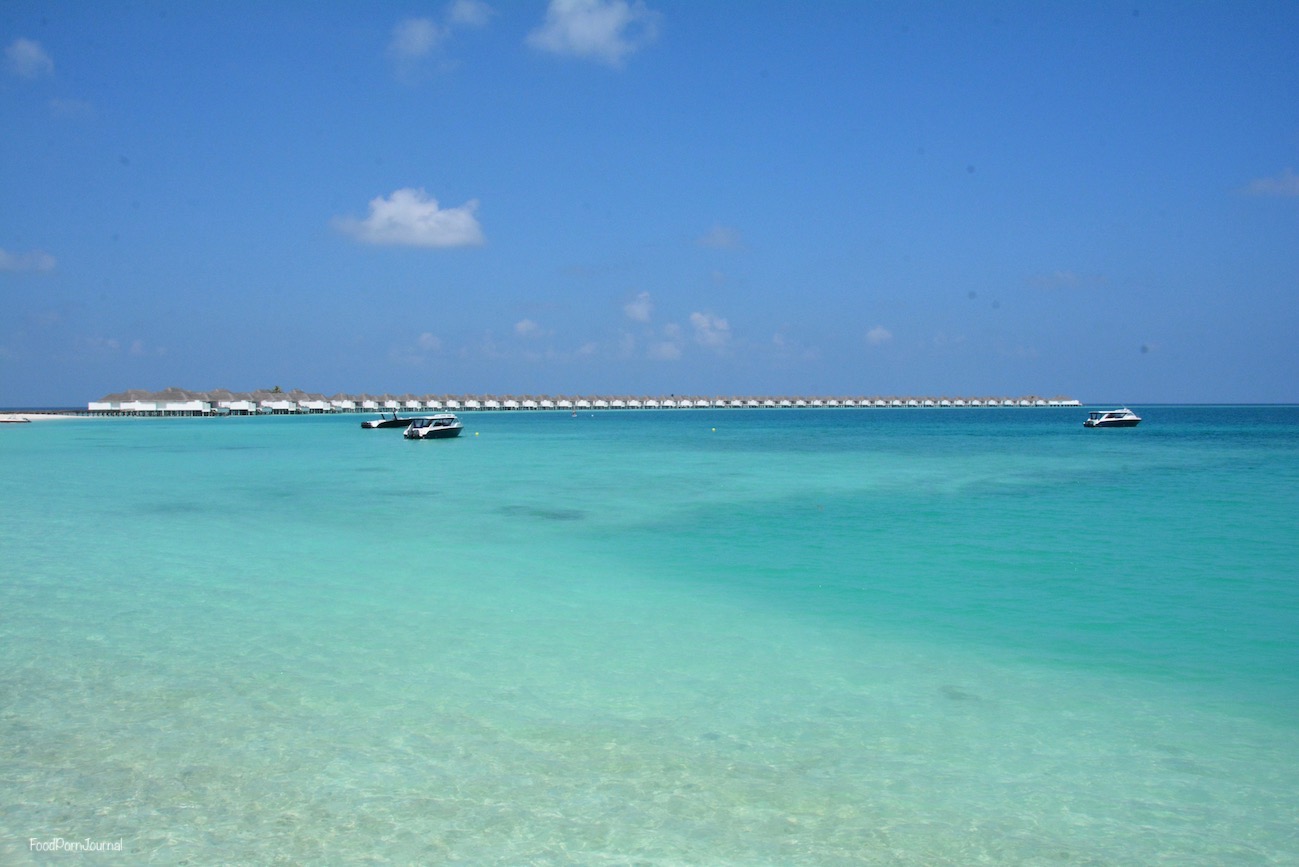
{"x": 878, "y": 335}
{"x": 413, "y": 42}
{"x": 639, "y": 308}
{"x": 36, "y": 260}
{"x": 526, "y": 328}
{"x": 417, "y": 354}
{"x": 669, "y": 347}
{"x": 27, "y": 59}
{"x": 1283, "y": 185}
{"x": 711, "y": 331}
{"x": 721, "y": 238}
{"x": 102, "y": 344}
{"x": 410, "y": 218}
{"x": 665, "y": 350}
{"x": 603, "y": 30}
{"x": 469, "y": 13}
{"x": 415, "y": 38}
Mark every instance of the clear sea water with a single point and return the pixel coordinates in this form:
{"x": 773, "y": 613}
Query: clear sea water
{"x": 902, "y": 637}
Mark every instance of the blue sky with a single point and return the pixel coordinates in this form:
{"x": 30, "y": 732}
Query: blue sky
{"x": 1097, "y": 200}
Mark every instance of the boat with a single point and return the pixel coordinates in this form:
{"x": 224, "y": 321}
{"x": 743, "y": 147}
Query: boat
{"x": 434, "y": 427}
{"x": 1112, "y": 418}
{"x": 384, "y": 421}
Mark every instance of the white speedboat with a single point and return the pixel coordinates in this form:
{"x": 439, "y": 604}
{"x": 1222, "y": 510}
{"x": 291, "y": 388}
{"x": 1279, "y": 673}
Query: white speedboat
{"x": 434, "y": 427}
{"x": 1112, "y": 418}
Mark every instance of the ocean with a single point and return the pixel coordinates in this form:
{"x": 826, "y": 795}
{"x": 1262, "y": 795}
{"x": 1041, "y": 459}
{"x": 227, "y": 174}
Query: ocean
{"x": 750, "y": 637}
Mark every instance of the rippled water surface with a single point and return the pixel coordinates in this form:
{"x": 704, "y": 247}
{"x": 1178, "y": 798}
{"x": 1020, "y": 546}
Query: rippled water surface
{"x": 735, "y": 637}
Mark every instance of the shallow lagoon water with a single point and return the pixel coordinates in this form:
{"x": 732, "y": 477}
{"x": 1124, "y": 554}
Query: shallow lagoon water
{"x": 733, "y": 637}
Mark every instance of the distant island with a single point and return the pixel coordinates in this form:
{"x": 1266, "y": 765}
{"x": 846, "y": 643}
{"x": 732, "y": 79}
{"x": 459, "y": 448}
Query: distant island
{"x": 275, "y": 401}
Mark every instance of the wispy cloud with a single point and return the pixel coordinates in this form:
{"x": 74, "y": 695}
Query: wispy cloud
{"x": 664, "y": 350}
{"x": 101, "y": 345}
{"x": 639, "y": 308}
{"x": 36, "y": 260}
{"x": 469, "y": 13}
{"x": 416, "y": 354}
{"x": 527, "y": 328}
{"x": 140, "y": 349}
{"x": 1284, "y": 185}
{"x": 668, "y": 346}
{"x": 27, "y": 59}
{"x": 411, "y": 218}
{"x": 416, "y": 40}
{"x": 721, "y": 238}
{"x": 1056, "y": 280}
{"x": 784, "y": 346}
{"x": 878, "y": 335}
{"x": 607, "y": 31}
{"x": 711, "y": 331}
{"x": 114, "y": 347}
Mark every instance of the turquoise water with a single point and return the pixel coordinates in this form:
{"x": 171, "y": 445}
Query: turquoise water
{"x": 747, "y": 637}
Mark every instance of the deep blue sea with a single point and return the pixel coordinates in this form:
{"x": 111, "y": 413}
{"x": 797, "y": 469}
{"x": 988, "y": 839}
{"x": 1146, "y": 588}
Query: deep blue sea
{"x": 748, "y": 637}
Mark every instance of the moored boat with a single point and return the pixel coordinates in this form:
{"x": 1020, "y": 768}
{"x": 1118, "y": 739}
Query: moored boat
{"x": 384, "y": 421}
{"x": 1112, "y": 418}
{"x": 434, "y": 427}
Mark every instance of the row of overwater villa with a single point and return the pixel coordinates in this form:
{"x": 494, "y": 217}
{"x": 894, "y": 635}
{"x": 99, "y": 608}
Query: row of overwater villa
{"x": 178, "y": 402}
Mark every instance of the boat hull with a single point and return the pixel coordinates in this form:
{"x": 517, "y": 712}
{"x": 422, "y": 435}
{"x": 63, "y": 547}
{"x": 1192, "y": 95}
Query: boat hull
{"x": 434, "y": 433}
{"x": 1112, "y": 418}
{"x": 375, "y": 423}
